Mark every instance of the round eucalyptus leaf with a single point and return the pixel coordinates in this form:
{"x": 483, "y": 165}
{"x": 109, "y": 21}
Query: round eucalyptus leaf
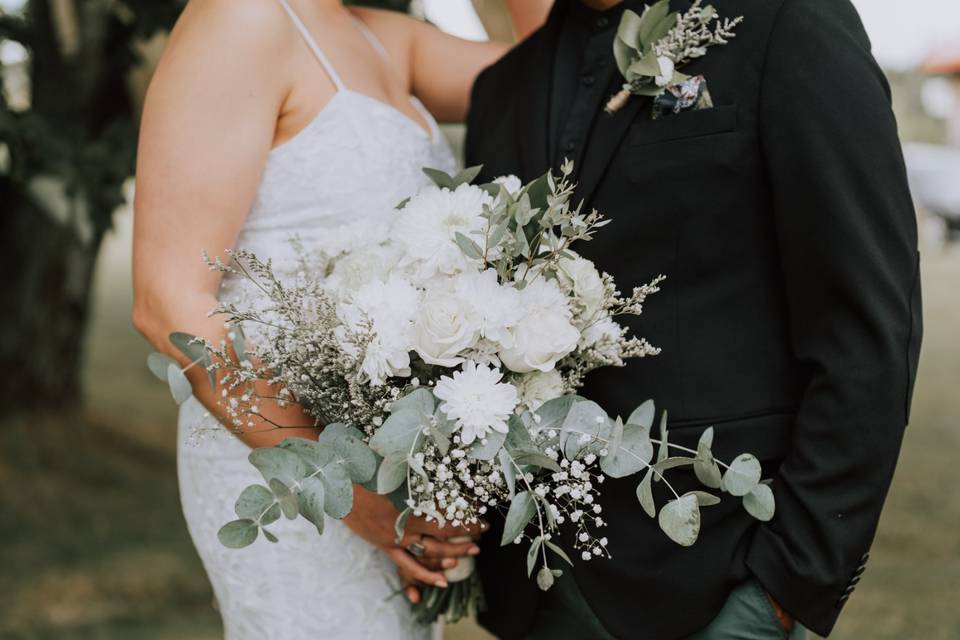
{"x": 632, "y": 455}
{"x": 350, "y": 449}
{"x": 282, "y": 464}
{"x": 522, "y": 509}
{"x": 488, "y": 447}
{"x": 586, "y": 423}
{"x": 742, "y": 476}
{"x": 238, "y": 534}
{"x": 396, "y": 435}
{"x": 545, "y": 579}
{"x": 309, "y": 451}
{"x": 705, "y": 499}
{"x": 338, "y": 501}
{"x": 706, "y": 469}
{"x": 759, "y": 503}
{"x": 392, "y": 474}
{"x": 643, "y": 415}
{"x": 311, "y": 501}
{"x": 189, "y": 345}
{"x": 420, "y": 401}
{"x": 645, "y": 494}
{"x": 253, "y": 502}
{"x": 158, "y": 364}
{"x": 289, "y": 504}
{"x": 180, "y": 387}
{"x": 680, "y": 520}
{"x": 553, "y": 412}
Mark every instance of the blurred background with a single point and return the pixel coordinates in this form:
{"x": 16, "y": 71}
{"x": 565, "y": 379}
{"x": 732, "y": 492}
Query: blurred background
{"x": 92, "y": 542}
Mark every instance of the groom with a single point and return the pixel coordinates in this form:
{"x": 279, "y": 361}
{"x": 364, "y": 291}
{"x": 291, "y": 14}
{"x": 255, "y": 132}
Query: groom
{"x": 790, "y": 320}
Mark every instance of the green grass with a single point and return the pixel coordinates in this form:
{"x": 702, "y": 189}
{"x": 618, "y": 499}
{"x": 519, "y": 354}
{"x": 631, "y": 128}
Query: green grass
{"x": 93, "y": 544}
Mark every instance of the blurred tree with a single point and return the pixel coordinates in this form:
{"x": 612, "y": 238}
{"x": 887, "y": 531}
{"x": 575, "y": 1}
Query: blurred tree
{"x": 67, "y": 146}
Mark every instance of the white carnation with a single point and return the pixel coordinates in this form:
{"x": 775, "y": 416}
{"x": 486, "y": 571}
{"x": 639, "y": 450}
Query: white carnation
{"x": 477, "y": 400}
{"x": 538, "y": 387}
{"x": 426, "y": 228}
{"x": 444, "y": 327}
{"x": 544, "y": 334}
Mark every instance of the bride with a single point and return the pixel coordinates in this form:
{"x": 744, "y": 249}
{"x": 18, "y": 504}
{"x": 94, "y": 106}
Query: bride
{"x": 269, "y": 119}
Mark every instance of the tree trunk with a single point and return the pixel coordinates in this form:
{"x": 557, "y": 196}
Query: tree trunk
{"x": 46, "y": 280}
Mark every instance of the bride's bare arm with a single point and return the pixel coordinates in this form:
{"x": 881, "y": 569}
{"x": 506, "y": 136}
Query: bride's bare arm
{"x": 208, "y": 125}
{"x": 442, "y": 68}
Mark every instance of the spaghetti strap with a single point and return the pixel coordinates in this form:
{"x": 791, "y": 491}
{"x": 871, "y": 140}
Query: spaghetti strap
{"x": 314, "y": 47}
{"x": 370, "y": 36}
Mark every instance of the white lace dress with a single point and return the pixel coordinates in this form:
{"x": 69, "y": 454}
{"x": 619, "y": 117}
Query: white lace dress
{"x": 338, "y": 180}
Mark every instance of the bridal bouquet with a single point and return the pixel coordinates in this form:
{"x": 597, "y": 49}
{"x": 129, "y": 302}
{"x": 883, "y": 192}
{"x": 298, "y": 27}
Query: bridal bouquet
{"x": 444, "y": 365}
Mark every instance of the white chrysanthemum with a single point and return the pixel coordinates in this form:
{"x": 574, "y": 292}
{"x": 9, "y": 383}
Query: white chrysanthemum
{"x": 545, "y": 333}
{"x": 444, "y": 327}
{"x": 361, "y": 267}
{"x": 477, "y": 400}
{"x": 538, "y": 387}
{"x": 511, "y": 183}
{"x": 579, "y": 278}
{"x": 496, "y": 307}
{"x": 426, "y": 228}
{"x": 389, "y": 306}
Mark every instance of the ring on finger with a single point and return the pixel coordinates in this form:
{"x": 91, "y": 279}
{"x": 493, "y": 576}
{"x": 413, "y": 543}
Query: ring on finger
{"x": 416, "y": 549}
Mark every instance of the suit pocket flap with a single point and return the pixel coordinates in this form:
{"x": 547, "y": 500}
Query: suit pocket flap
{"x": 688, "y": 124}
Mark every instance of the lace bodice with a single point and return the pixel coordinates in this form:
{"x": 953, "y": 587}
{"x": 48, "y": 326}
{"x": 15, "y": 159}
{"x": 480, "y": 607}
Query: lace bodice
{"x": 334, "y": 185}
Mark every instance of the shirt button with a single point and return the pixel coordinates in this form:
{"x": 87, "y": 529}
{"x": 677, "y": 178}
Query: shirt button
{"x": 602, "y": 22}
{"x": 589, "y": 79}
{"x": 570, "y": 147}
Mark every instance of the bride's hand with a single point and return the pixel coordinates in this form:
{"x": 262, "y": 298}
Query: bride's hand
{"x": 373, "y": 519}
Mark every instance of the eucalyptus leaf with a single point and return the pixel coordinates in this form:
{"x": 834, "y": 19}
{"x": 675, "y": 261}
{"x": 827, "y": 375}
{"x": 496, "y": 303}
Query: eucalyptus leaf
{"x": 441, "y": 178}
{"x": 630, "y": 455}
{"x": 760, "y": 503}
{"x": 255, "y": 501}
{"x": 469, "y": 248}
{"x": 629, "y": 30}
{"x": 536, "y": 459}
{"x": 238, "y": 534}
{"x": 338, "y": 498}
{"x": 278, "y": 463}
{"x": 522, "y": 509}
{"x": 643, "y": 415}
{"x": 180, "y": 387}
{"x": 518, "y": 437}
{"x": 420, "y": 400}
{"x": 391, "y": 474}
{"x": 664, "y": 450}
{"x": 705, "y": 467}
{"x": 158, "y": 364}
{"x": 311, "y": 501}
{"x": 488, "y": 447}
{"x": 468, "y": 175}
{"x": 743, "y": 475}
{"x": 553, "y": 412}
{"x": 532, "y": 554}
{"x": 560, "y": 552}
{"x": 680, "y": 520}
{"x": 270, "y": 537}
{"x": 350, "y": 450}
{"x": 645, "y": 494}
{"x": 309, "y": 451}
{"x": 190, "y": 346}
{"x": 289, "y": 504}
{"x": 704, "y": 499}
{"x": 398, "y": 432}
{"x": 239, "y": 341}
{"x": 585, "y": 419}
{"x": 651, "y": 22}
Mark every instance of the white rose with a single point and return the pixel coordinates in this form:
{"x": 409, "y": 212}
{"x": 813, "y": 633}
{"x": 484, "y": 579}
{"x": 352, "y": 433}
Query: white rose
{"x": 444, "y": 328}
{"x": 538, "y": 387}
{"x": 580, "y": 278}
{"x": 667, "y": 69}
{"x": 545, "y": 334}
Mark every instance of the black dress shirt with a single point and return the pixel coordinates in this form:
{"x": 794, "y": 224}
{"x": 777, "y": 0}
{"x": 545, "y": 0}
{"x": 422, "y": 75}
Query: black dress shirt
{"x": 583, "y": 62}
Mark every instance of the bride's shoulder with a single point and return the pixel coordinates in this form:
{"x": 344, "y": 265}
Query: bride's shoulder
{"x": 243, "y": 25}
{"x": 393, "y": 28}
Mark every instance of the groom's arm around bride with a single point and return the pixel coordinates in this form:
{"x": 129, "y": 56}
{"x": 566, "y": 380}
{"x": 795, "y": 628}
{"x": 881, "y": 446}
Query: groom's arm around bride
{"x": 790, "y": 320}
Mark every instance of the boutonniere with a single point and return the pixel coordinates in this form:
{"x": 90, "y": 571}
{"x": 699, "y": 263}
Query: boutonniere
{"x": 651, "y": 48}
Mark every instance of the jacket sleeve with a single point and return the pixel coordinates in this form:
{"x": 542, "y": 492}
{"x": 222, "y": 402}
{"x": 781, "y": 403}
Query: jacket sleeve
{"x": 846, "y": 230}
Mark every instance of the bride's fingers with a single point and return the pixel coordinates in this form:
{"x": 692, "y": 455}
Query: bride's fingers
{"x": 413, "y": 571}
{"x": 439, "y": 549}
{"x": 413, "y": 594}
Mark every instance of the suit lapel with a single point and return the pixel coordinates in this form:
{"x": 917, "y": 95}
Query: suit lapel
{"x": 605, "y": 138}
{"x": 535, "y": 94}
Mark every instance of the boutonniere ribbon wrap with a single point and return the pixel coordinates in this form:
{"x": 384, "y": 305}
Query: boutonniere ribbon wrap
{"x": 651, "y": 48}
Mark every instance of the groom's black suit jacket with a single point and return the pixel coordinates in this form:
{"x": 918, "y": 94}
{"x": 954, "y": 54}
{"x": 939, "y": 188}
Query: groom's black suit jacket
{"x": 790, "y": 320}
